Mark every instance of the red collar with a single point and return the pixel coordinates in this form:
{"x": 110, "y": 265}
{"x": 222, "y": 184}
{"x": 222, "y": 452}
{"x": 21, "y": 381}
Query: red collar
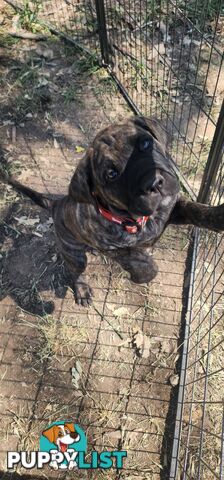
{"x": 129, "y": 225}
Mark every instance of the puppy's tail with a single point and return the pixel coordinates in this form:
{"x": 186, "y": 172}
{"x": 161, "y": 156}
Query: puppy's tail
{"x": 37, "y": 197}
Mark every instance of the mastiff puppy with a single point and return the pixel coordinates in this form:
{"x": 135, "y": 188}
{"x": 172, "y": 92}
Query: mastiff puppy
{"x": 121, "y": 197}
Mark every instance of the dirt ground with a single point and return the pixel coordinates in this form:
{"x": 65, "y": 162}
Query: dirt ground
{"x": 53, "y": 100}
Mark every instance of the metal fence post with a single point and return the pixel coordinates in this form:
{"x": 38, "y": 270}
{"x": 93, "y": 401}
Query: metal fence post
{"x": 102, "y": 27}
{"x": 214, "y": 159}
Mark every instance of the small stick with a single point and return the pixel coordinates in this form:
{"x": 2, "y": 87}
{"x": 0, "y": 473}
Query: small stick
{"x": 27, "y": 35}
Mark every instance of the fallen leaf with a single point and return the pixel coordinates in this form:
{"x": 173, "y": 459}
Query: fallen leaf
{"x": 174, "y": 380}
{"x": 119, "y": 312}
{"x": 76, "y": 372}
{"x": 79, "y": 149}
{"x": 102, "y": 73}
{"x": 29, "y": 222}
{"x": 56, "y": 144}
{"x": 44, "y": 227}
{"x": 110, "y": 307}
{"x": 43, "y": 82}
{"x": 142, "y": 343}
{"x": 78, "y": 366}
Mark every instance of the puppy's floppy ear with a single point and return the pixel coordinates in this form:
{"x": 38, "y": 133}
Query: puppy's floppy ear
{"x": 80, "y": 187}
{"x": 50, "y": 434}
{"x": 154, "y": 127}
{"x": 70, "y": 426}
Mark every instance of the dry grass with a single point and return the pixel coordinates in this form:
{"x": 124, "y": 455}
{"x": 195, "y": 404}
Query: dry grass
{"x": 56, "y": 338}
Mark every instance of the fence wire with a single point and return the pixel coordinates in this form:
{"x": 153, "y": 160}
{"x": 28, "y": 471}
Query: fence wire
{"x": 167, "y": 57}
{"x": 200, "y": 410}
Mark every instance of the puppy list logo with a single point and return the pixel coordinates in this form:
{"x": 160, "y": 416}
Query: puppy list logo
{"x": 63, "y": 445}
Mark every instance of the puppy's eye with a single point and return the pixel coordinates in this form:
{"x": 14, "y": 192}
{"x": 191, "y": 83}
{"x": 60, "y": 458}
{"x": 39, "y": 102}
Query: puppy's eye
{"x": 111, "y": 174}
{"x": 60, "y": 434}
{"x": 145, "y": 144}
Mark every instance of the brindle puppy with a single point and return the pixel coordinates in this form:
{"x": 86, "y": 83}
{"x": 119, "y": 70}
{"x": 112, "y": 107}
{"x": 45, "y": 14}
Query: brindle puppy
{"x": 122, "y": 196}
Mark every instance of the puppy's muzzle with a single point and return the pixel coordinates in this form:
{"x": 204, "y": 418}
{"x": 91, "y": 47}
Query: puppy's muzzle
{"x": 152, "y": 184}
{"x": 74, "y": 435}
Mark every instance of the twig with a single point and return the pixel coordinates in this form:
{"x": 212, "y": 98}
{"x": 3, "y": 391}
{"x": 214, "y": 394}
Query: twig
{"x": 27, "y": 35}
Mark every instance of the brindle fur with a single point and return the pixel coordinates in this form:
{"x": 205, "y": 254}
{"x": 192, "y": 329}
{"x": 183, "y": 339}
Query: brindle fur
{"x": 78, "y": 223}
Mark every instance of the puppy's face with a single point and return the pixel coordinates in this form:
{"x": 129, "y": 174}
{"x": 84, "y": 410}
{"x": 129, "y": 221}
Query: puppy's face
{"x": 62, "y": 435}
{"x": 127, "y": 168}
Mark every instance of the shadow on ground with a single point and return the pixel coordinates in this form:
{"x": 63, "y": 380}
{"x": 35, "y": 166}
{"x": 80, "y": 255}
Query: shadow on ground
{"x": 31, "y": 264}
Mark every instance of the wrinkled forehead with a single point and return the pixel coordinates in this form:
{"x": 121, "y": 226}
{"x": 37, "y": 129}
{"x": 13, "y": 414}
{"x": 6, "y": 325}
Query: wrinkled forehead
{"x": 116, "y": 141}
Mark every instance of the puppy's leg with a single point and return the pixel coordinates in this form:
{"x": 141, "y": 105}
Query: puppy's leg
{"x": 138, "y": 263}
{"x": 186, "y": 212}
{"x": 76, "y": 261}
{"x": 73, "y": 252}
{"x": 74, "y": 256}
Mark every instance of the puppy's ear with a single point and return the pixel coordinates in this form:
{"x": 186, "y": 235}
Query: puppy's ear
{"x": 80, "y": 187}
{"x": 154, "y": 127}
{"x": 50, "y": 434}
{"x": 70, "y": 426}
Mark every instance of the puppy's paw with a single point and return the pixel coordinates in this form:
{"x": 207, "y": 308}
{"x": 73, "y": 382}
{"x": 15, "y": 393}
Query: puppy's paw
{"x": 219, "y": 217}
{"x": 145, "y": 275}
{"x": 83, "y": 294}
{"x": 144, "y": 278}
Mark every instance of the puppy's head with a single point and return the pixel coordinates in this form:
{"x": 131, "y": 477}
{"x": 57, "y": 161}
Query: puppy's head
{"x": 127, "y": 168}
{"x": 62, "y": 435}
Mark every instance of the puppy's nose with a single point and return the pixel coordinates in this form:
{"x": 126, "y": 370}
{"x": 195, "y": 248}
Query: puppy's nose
{"x": 74, "y": 435}
{"x": 154, "y": 184}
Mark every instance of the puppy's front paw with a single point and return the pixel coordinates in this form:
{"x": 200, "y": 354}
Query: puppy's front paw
{"x": 83, "y": 294}
{"x": 219, "y": 217}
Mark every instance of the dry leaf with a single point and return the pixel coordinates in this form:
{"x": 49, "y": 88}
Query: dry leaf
{"x": 174, "y": 380}
{"x": 29, "y": 222}
{"x": 79, "y": 149}
{"x": 110, "y": 307}
{"x": 56, "y": 144}
{"x": 76, "y": 372}
{"x": 43, "y": 82}
{"x": 119, "y": 312}
{"x": 142, "y": 343}
{"x": 44, "y": 227}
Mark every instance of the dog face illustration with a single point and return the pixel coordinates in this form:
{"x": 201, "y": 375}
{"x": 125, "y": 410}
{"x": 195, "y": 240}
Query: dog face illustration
{"x": 62, "y": 435}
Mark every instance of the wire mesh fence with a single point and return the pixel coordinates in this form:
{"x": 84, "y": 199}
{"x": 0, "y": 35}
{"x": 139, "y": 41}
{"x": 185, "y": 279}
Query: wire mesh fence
{"x": 167, "y": 58}
{"x": 201, "y": 413}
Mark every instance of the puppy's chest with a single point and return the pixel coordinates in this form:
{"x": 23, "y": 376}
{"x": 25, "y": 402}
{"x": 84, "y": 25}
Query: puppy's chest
{"x": 105, "y": 235}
